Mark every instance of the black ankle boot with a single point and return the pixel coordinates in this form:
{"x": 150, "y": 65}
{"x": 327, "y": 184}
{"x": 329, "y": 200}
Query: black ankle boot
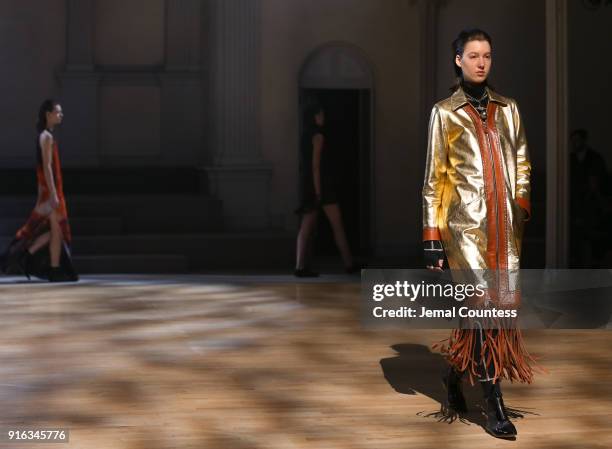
{"x": 305, "y": 273}
{"x": 454, "y": 390}
{"x": 498, "y": 424}
{"x": 56, "y": 274}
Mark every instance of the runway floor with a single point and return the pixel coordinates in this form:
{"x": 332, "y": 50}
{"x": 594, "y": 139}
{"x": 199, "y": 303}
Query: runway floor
{"x": 260, "y": 362}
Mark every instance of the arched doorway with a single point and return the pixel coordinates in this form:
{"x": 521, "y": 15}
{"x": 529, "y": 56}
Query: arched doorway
{"x": 339, "y": 77}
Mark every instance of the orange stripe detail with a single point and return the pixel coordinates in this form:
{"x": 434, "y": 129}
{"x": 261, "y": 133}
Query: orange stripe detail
{"x": 431, "y": 234}
{"x": 487, "y": 163}
{"x": 502, "y": 213}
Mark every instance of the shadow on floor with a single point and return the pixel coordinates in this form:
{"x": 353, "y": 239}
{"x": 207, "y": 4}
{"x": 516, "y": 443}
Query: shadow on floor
{"x": 415, "y": 369}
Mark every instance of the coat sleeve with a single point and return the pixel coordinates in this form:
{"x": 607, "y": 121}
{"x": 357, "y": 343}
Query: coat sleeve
{"x": 523, "y": 165}
{"x": 435, "y": 175}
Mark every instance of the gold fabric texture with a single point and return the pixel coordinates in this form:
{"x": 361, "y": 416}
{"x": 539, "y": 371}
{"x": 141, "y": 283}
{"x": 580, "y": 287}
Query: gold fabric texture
{"x": 477, "y": 182}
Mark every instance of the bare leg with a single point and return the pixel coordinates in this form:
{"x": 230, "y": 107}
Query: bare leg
{"x": 41, "y": 241}
{"x": 310, "y": 245}
{"x": 309, "y": 220}
{"x": 55, "y": 241}
{"x": 335, "y": 219}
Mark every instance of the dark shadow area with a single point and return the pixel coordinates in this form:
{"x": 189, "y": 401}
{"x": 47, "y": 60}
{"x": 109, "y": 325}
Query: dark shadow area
{"x": 112, "y": 181}
{"x": 533, "y": 254}
{"x": 590, "y": 205}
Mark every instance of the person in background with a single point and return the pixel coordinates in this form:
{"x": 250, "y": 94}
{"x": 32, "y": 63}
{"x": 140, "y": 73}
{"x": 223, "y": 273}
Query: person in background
{"x": 589, "y": 204}
{"x": 318, "y": 191}
{"x": 41, "y": 247}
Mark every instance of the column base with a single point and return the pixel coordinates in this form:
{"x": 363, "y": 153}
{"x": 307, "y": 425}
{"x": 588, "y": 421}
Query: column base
{"x": 244, "y": 191}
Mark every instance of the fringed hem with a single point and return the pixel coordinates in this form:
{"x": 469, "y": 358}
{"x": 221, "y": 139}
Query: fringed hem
{"x": 504, "y": 349}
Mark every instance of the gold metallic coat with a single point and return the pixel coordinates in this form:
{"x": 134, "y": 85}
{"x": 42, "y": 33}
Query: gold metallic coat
{"x": 477, "y": 183}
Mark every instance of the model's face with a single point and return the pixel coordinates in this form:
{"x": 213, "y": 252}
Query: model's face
{"x": 55, "y": 117}
{"x": 475, "y": 63}
{"x": 320, "y": 118}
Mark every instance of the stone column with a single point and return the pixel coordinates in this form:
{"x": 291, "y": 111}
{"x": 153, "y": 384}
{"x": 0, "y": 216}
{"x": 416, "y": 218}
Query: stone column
{"x": 428, "y": 36}
{"x": 557, "y": 179}
{"x": 237, "y": 174}
{"x": 183, "y": 35}
{"x": 79, "y": 83}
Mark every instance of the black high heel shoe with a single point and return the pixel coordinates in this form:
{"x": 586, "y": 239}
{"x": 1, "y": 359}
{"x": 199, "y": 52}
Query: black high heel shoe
{"x": 355, "y": 268}
{"x": 56, "y": 274}
{"x": 24, "y": 264}
{"x": 305, "y": 273}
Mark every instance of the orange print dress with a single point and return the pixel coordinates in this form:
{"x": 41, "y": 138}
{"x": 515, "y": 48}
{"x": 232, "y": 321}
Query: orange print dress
{"x": 38, "y": 224}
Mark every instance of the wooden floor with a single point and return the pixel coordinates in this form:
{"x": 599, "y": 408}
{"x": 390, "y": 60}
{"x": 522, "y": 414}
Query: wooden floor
{"x": 208, "y": 362}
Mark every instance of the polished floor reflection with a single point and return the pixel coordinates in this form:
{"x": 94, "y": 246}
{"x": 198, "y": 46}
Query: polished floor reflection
{"x": 237, "y": 362}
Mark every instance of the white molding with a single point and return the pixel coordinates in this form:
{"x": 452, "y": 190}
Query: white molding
{"x": 557, "y": 179}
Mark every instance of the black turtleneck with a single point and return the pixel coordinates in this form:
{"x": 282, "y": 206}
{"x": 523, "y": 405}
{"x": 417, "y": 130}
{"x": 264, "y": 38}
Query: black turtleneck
{"x": 474, "y": 93}
{"x": 474, "y": 90}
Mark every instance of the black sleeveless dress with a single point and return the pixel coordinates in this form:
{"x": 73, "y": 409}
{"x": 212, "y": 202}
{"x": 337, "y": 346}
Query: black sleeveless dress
{"x": 307, "y": 195}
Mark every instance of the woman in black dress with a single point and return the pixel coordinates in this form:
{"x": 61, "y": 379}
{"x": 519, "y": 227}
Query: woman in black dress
{"x": 318, "y": 191}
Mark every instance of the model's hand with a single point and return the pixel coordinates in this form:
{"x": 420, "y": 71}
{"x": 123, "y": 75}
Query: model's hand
{"x": 54, "y": 201}
{"x": 434, "y": 255}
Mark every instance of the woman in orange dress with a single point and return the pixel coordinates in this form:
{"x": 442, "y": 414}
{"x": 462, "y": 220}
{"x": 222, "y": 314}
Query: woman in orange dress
{"x": 42, "y": 246}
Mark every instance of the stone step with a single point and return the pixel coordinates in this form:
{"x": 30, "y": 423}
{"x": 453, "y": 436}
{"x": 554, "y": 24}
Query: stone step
{"x": 79, "y": 225}
{"x": 109, "y": 180}
{"x": 98, "y": 205}
{"x": 168, "y": 243}
{"x": 201, "y": 251}
{"x": 148, "y": 214}
{"x": 135, "y": 263}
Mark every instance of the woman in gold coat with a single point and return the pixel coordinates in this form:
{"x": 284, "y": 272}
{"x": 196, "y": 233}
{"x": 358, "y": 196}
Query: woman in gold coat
{"x": 475, "y": 202}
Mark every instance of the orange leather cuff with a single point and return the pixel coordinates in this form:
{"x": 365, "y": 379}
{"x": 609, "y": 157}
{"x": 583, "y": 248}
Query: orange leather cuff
{"x": 431, "y": 234}
{"x": 525, "y": 204}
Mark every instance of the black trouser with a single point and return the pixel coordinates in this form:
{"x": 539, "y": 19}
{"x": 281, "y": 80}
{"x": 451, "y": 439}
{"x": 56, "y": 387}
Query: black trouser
{"x": 486, "y": 372}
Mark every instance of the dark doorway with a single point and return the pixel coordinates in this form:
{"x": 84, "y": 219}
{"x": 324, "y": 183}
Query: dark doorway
{"x": 347, "y": 131}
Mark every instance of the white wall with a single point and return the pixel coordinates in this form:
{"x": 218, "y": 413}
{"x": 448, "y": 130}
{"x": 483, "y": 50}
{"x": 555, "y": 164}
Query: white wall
{"x": 129, "y": 32}
{"x": 387, "y": 32}
{"x": 123, "y": 118}
{"x": 32, "y": 51}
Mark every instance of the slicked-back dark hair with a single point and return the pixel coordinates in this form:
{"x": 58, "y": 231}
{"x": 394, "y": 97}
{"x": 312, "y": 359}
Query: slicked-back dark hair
{"x": 46, "y": 106}
{"x": 458, "y": 46}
